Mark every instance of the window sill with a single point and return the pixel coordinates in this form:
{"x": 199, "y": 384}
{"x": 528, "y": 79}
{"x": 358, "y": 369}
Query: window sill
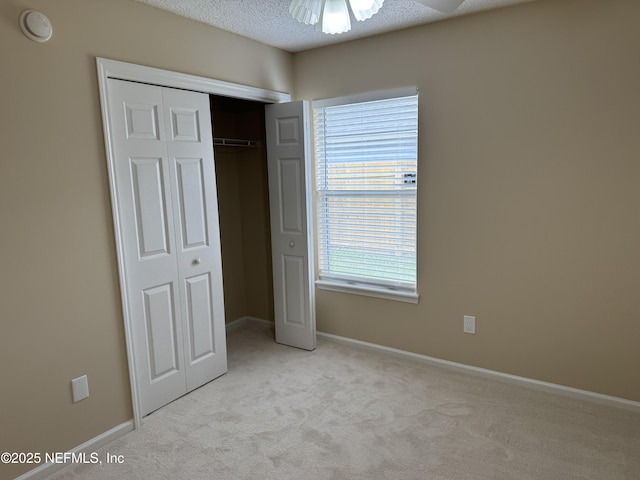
{"x": 368, "y": 291}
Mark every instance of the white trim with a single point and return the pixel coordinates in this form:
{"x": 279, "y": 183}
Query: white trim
{"x": 525, "y": 382}
{"x": 366, "y": 97}
{"x": 138, "y": 73}
{"x": 562, "y": 390}
{"x": 239, "y": 322}
{"x": 530, "y": 383}
{"x": 368, "y": 291}
{"x": 46, "y": 469}
{"x": 167, "y": 78}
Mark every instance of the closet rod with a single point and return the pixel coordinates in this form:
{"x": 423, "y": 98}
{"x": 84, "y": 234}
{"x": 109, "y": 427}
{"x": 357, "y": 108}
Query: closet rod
{"x": 234, "y": 142}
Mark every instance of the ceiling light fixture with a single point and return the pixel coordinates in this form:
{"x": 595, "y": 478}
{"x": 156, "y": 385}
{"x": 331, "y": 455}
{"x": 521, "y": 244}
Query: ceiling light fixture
{"x": 332, "y": 16}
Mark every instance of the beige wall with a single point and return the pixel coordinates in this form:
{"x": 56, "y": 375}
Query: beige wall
{"x": 60, "y": 314}
{"x": 528, "y": 199}
{"x": 243, "y": 206}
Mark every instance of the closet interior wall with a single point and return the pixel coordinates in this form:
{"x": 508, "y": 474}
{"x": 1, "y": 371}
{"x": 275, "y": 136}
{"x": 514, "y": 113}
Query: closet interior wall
{"x": 243, "y": 204}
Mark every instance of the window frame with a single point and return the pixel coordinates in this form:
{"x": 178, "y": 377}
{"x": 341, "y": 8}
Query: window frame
{"x": 346, "y": 285}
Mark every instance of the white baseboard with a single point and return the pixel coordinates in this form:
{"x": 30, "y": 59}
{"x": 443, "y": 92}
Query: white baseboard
{"x": 239, "y": 322}
{"x": 539, "y": 385}
{"x": 88, "y": 447}
{"x": 492, "y": 374}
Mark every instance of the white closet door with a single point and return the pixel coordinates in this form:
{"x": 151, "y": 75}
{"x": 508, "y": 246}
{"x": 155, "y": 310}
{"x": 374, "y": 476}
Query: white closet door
{"x": 169, "y": 233}
{"x": 195, "y": 207}
{"x": 289, "y": 183}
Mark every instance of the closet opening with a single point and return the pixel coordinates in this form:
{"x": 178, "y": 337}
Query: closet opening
{"x": 240, "y": 157}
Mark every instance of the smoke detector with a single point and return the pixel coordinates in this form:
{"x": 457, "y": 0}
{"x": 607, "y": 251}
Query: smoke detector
{"x": 36, "y": 26}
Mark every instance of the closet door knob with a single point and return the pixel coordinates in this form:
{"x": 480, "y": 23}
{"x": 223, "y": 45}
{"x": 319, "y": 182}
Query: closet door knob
{"x": 197, "y": 261}
{"x": 292, "y": 244}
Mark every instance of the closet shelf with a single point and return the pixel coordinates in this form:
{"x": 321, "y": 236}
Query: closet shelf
{"x": 236, "y": 142}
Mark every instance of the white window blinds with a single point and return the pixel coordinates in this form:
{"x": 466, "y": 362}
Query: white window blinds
{"x": 366, "y": 173}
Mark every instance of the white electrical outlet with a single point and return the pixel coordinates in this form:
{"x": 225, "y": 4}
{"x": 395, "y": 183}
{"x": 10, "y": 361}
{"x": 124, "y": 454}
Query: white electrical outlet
{"x": 80, "y": 388}
{"x": 469, "y": 324}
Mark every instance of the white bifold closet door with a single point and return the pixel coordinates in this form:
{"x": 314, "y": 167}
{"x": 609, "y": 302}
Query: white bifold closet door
{"x": 169, "y": 237}
{"x": 287, "y": 129}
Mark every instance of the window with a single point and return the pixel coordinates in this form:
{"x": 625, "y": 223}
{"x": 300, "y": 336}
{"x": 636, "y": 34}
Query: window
{"x": 366, "y": 174}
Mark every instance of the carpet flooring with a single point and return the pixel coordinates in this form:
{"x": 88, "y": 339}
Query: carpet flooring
{"x": 345, "y": 413}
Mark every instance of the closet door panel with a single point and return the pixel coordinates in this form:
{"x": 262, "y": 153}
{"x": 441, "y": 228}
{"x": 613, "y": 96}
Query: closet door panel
{"x": 190, "y": 153}
{"x": 147, "y": 178}
{"x": 291, "y": 231}
{"x": 146, "y": 228}
{"x": 142, "y": 120}
{"x": 200, "y": 317}
{"x": 185, "y": 124}
{"x": 290, "y": 199}
{"x": 193, "y": 209}
{"x": 293, "y": 283}
{"x": 160, "y": 322}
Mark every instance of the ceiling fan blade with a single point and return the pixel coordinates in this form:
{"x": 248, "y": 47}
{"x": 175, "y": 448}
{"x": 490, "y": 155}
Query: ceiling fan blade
{"x": 444, "y": 6}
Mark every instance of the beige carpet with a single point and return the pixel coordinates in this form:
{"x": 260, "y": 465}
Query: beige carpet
{"x": 347, "y": 414}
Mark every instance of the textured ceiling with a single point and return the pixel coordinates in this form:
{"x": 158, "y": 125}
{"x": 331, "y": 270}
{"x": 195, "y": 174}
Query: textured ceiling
{"x": 269, "y": 21}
